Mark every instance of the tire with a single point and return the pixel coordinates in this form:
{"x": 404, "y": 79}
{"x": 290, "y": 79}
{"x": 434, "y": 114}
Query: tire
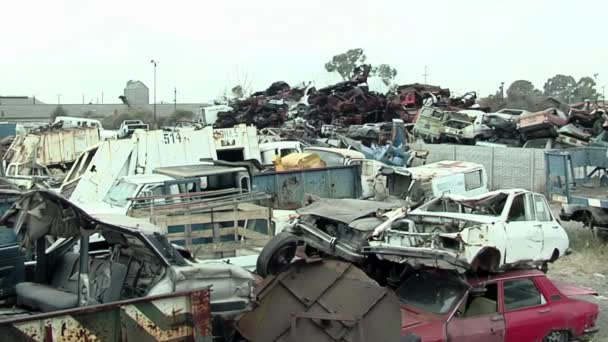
{"x": 277, "y": 254}
{"x": 597, "y": 126}
{"x": 557, "y": 336}
{"x": 600, "y": 234}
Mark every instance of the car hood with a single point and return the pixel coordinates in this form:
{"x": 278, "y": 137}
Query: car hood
{"x": 345, "y": 210}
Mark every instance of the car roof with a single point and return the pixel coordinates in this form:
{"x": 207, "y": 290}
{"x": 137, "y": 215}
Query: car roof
{"x": 475, "y": 279}
{"x": 442, "y": 168}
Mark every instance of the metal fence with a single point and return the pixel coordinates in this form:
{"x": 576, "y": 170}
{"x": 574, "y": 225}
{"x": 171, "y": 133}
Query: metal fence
{"x": 507, "y": 167}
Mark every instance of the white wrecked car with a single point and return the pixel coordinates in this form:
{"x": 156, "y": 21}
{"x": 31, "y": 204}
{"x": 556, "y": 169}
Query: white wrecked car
{"x": 490, "y": 232}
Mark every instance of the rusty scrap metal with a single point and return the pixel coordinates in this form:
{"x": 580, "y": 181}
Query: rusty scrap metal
{"x": 182, "y": 316}
{"x": 314, "y": 302}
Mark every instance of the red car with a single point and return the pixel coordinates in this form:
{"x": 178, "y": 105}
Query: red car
{"x": 514, "y": 306}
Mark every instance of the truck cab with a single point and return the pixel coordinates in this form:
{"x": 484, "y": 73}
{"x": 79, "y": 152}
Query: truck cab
{"x": 26, "y": 175}
{"x": 127, "y": 127}
{"x": 420, "y": 183}
{"x": 166, "y": 184}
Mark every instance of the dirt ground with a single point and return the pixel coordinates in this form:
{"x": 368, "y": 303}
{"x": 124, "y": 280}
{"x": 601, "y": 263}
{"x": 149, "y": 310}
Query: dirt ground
{"x": 587, "y": 266}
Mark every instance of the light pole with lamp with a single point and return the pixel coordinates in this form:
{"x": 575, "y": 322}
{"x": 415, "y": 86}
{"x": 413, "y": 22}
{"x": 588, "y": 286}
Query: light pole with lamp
{"x": 154, "y": 63}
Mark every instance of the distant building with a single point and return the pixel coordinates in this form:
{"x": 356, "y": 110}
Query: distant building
{"x": 25, "y": 108}
{"x": 19, "y": 100}
{"x": 137, "y": 93}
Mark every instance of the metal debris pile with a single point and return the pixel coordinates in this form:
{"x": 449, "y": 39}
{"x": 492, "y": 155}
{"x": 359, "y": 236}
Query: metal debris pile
{"x": 342, "y": 104}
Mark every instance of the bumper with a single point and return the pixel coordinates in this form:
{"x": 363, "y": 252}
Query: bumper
{"x": 590, "y": 331}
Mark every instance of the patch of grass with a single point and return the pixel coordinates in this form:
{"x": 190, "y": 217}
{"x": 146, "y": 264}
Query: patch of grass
{"x": 589, "y": 255}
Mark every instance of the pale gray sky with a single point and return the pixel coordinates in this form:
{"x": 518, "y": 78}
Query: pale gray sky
{"x": 71, "y": 47}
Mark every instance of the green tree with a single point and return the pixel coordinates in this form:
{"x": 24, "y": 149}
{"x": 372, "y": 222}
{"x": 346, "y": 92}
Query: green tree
{"x": 560, "y": 87}
{"x": 522, "y": 88}
{"x": 345, "y": 63}
{"x": 238, "y": 92}
{"x": 494, "y": 101}
{"x": 522, "y": 94}
{"x": 385, "y": 72}
{"x": 585, "y": 89}
{"x": 58, "y": 111}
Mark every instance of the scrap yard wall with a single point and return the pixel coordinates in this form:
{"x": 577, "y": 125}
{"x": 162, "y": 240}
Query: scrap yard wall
{"x": 507, "y": 167}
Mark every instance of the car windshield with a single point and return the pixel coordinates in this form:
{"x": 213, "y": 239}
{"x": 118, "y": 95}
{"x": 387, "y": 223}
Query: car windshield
{"x": 487, "y": 206}
{"x": 431, "y": 291}
{"x": 119, "y": 193}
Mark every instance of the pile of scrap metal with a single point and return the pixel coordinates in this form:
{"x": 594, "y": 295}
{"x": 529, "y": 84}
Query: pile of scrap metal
{"x": 553, "y": 124}
{"x": 341, "y": 105}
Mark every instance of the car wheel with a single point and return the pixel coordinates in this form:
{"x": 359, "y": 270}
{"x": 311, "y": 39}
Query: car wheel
{"x": 597, "y": 126}
{"x": 277, "y": 254}
{"x": 557, "y": 336}
{"x": 600, "y": 234}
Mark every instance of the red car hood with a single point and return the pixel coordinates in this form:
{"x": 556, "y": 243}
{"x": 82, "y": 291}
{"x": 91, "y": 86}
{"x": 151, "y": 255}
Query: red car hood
{"x": 571, "y": 289}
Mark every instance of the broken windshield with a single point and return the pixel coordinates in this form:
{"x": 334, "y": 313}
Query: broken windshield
{"x": 488, "y": 206}
{"x": 431, "y": 292}
{"x": 120, "y": 192}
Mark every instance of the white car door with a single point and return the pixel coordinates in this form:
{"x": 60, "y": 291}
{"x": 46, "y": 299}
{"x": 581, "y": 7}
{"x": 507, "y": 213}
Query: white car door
{"x": 554, "y": 235}
{"x": 524, "y": 233}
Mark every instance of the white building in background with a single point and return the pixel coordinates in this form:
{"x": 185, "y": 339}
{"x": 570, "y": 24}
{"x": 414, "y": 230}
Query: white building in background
{"x": 137, "y": 93}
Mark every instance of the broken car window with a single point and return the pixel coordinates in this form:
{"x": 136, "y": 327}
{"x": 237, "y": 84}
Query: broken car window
{"x": 480, "y": 305}
{"x": 119, "y": 193}
{"x": 430, "y": 291}
{"x": 518, "y": 209}
{"x": 522, "y": 293}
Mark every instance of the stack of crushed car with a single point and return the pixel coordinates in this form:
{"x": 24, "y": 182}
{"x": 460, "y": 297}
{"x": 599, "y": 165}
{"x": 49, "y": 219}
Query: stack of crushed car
{"x": 455, "y": 262}
{"x": 343, "y": 104}
{"x": 554, "y": 124}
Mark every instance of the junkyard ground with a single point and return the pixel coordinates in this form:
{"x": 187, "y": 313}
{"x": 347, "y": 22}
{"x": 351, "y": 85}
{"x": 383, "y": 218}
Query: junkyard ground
{"x": 587, "y": 266}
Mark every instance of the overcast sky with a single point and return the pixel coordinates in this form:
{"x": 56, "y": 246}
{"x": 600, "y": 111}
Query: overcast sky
{"x": 71, "y": 47}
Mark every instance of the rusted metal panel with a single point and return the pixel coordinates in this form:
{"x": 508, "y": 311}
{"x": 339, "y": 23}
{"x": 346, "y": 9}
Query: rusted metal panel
{"x": 53, "y": 147}
{"x": 184, "y": 316}
{"x": 289, "y": 188}
{"x": 329, "y": 300}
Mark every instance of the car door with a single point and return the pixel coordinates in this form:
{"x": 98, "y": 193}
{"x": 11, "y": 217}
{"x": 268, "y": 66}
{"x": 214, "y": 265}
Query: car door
{"x": 524, "y": 233}
{"x": 528, "y": 316}
{"x": 553, "y": 234}
{"x": 478, "y": 319}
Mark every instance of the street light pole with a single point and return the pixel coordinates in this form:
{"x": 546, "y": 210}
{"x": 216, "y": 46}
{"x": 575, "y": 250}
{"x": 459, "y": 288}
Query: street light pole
{"x": 154, "y": 63}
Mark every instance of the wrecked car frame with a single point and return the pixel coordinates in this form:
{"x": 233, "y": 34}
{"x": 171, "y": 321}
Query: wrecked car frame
{"x": 132, "y": 261}
{"x": 493, "y": 231}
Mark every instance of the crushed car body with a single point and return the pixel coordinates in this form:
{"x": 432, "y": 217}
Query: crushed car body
{"x": 131, "y": 261}
{"x": 490, "y": 232}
